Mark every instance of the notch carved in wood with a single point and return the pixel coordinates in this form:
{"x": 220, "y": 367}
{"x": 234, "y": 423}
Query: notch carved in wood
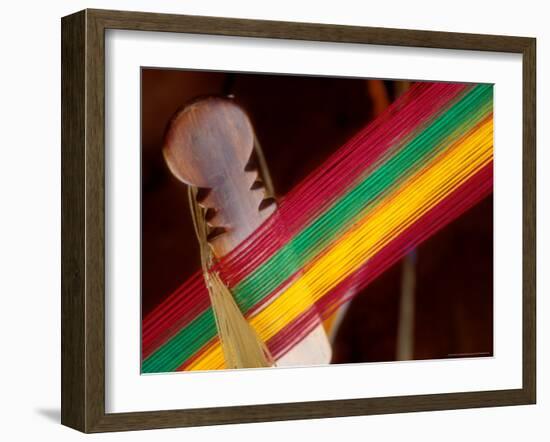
{"x": 208, "y": 145}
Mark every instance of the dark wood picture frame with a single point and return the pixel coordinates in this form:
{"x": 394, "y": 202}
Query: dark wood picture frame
{"x": 83, "y": 220}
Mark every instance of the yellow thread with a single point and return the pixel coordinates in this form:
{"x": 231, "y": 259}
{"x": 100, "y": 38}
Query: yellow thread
{"x": 396, "y": 213}
{"x": 241, "y": 346}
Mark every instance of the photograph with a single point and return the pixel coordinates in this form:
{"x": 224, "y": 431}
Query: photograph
{"x": 300, "y": 220}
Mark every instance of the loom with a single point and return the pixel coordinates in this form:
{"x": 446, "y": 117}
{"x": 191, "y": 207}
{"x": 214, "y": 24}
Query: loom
{"x": 288, "y": 266}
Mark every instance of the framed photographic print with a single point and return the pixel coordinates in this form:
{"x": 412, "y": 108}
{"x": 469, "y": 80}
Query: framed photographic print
{"x": 269, "y": 220}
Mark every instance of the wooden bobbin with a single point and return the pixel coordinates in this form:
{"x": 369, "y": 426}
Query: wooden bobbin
{"x": 208, "y": 145}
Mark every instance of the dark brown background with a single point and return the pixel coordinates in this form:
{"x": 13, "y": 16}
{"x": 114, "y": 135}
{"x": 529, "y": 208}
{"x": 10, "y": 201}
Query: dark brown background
{"x": 299, "y": 121}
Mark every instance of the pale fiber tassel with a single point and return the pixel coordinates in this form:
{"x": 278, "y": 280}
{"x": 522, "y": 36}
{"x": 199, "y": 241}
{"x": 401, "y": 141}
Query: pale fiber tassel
{"x": 241, "y": 345}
